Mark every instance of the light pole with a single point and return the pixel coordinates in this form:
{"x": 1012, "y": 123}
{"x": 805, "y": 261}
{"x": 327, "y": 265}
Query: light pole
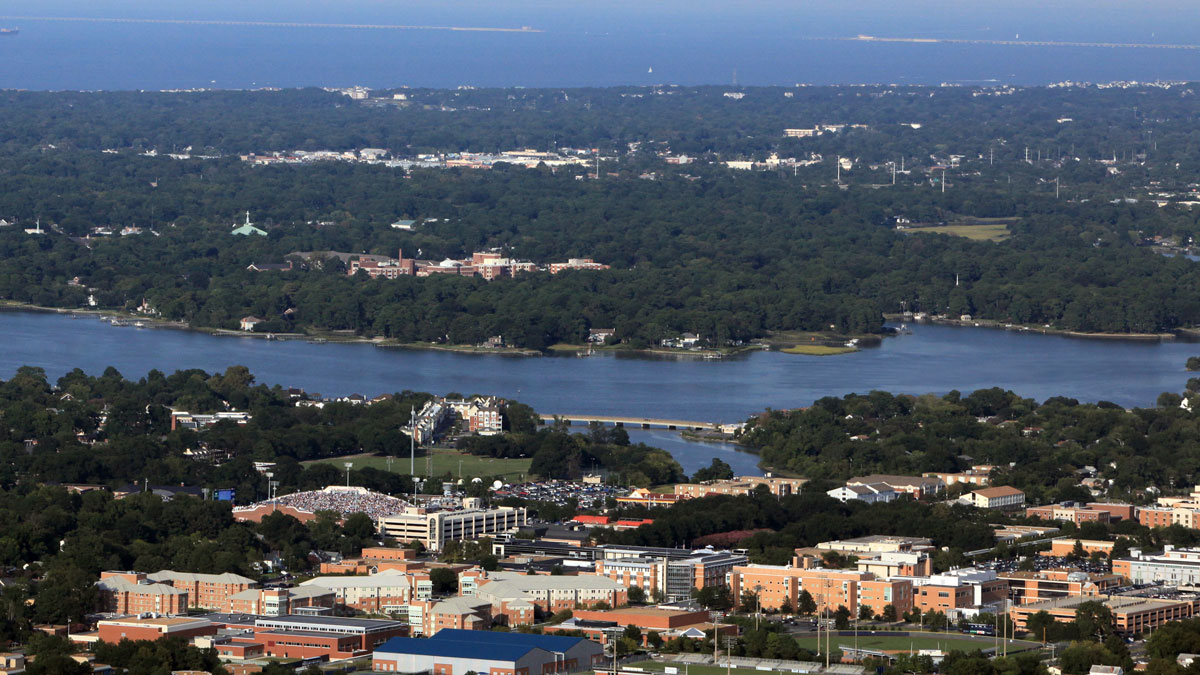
{"x": 412, "y": 441}
{"x": 614, "y": 635}
{"x": 347, "y": 465}
{"x": 758, "y": 605}
{"x": 716, "y": 619}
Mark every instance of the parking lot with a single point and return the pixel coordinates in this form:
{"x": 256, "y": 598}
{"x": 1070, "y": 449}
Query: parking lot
{"x": 559, "y": 492}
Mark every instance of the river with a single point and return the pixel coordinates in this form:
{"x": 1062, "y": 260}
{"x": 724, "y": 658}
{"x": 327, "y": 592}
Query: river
{"x": 930, "y": 359}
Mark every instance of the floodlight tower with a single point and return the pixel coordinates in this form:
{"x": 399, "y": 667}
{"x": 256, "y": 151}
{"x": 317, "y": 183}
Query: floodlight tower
{"x": 347, "y": 465}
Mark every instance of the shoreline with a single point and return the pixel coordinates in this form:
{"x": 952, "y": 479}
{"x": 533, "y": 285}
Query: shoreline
{"x": 1043, "y": 330}
{"x": 769, "y": 343}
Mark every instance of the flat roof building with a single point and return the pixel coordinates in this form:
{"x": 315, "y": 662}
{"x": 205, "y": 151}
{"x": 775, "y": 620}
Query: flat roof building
{"x": 1130, "y": 614}
{"x": 455, "y": 652}
{"x": 1059, "y": 583}
{"x": 778, "y": 587}
{"x": 154, "y": 628}
{"x": 674, "y": 579}
{"x": 434, "y": 528}
{"x": 1172, "y": 567}
{"x": 549, "y": 593}
{"x": 741, "y": 485}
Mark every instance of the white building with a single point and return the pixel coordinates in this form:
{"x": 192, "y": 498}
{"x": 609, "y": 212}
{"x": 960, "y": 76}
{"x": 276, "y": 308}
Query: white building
{"x": 549, "y": 592}
{"x": 433, "y": 528}
{"x": 870, "y": 493}
{"x": 385, "y": 591}
{"x": 1002, "y": 497}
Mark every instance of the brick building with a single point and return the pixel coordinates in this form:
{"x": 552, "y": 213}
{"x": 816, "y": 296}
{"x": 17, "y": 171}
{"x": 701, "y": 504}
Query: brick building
{"x": 1130, "y": 615}
{"x": 550, "y": 593}
{"x": 133, "y": 593}
{"x": 673, "y": 578}
{"x": 208, "y": 591}
{"x": 777, "y": 586}
{"x": 385, "y": 591}
{"x": 280, "y": 601}
{"x": 1071, "y": 514}
{"x": 1066, "y": 546}
{"x": 741, "y": 485}
{"x": 958, "y": 590}
{"x": 1029, "y": 587}
{"x": 133, "y": 628}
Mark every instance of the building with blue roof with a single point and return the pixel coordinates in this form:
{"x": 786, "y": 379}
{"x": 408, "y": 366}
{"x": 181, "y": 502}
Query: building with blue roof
{"x": 455, "y": 652}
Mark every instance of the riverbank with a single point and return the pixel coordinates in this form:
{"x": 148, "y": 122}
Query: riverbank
{"x": 819, "y": 343}
{"x": 710, "y": 353}
{"x": 711, "y": 437}
{"x": 91, "y": 312}
{"x": 1043, "y": 329}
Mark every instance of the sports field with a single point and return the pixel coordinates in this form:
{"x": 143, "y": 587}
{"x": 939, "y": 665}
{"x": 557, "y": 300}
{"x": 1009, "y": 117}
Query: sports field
{"x": 944, "y": 641}
{"x": 444, "y": 461}
{"x": 692, "y": 668}
{"x": 990, "y": 232}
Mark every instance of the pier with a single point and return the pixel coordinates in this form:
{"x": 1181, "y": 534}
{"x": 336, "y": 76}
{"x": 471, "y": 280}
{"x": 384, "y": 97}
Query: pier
{"x": 643, "y": 422}
{"x": 270, "y": 24}
{"x": 1009, "y": 43}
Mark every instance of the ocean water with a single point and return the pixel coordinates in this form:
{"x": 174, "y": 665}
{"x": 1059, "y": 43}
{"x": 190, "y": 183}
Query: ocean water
{"x": 586, "y": 43}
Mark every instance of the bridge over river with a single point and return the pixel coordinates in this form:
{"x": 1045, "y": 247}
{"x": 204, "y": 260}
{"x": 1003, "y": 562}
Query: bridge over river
{"x": 643, "y": 422}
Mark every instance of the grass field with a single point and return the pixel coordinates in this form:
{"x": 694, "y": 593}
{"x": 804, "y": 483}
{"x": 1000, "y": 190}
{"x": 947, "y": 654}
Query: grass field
{"x": 444, "y": 461}
{"x": 817, "y": 350}
{"x": 692, "y": 668}
{"x": 946, "y": 641}
{"x": 989, "y": 232}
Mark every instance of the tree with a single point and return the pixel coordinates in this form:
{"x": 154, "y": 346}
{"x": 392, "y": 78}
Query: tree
{"x": 1079, "y": 658}
{"x": 748, "y": 602}
{"x": 1120, "y": 548}
{"x": 889, "y": 613}
{"x": 805, "y": 604}
{"x": 713, "y": 597}
{"x": 1094, "y": 619}
{"x": 1174, "y": 638}
{"x": 655, "y": 640}
{"x": 1077, "y": 551}
{"x": 636, "y": 595}
{"x": 865, "y": 613}
{"x": 444, "y": 580}
{"x": 359, "y": 526}
{"x": 841, "y": 618}
{"x": 633, "y": 633}
{"x": 717, "y": 470}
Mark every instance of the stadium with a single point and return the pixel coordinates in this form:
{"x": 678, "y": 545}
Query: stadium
{"x": 340, "y": 499}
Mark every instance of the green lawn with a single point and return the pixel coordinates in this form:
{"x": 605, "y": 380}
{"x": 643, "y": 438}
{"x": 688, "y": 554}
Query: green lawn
{"x": 946, "y": 641}
{"x": 443, "y": 461}
{"x": 817, "y": 350}
{"x": 692, "y": 668}
{"x": 990, "y": 232}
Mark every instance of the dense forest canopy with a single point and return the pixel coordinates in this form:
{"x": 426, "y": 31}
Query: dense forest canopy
{"x": 729, "y": 255}
{"x": 1043, "y": 449}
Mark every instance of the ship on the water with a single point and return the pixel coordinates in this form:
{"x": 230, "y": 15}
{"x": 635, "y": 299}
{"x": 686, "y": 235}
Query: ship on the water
{"x": 9, "y": 31}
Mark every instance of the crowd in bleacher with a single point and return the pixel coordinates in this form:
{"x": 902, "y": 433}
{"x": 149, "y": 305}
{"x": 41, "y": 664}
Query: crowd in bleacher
{"x": 344, "y": 502}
